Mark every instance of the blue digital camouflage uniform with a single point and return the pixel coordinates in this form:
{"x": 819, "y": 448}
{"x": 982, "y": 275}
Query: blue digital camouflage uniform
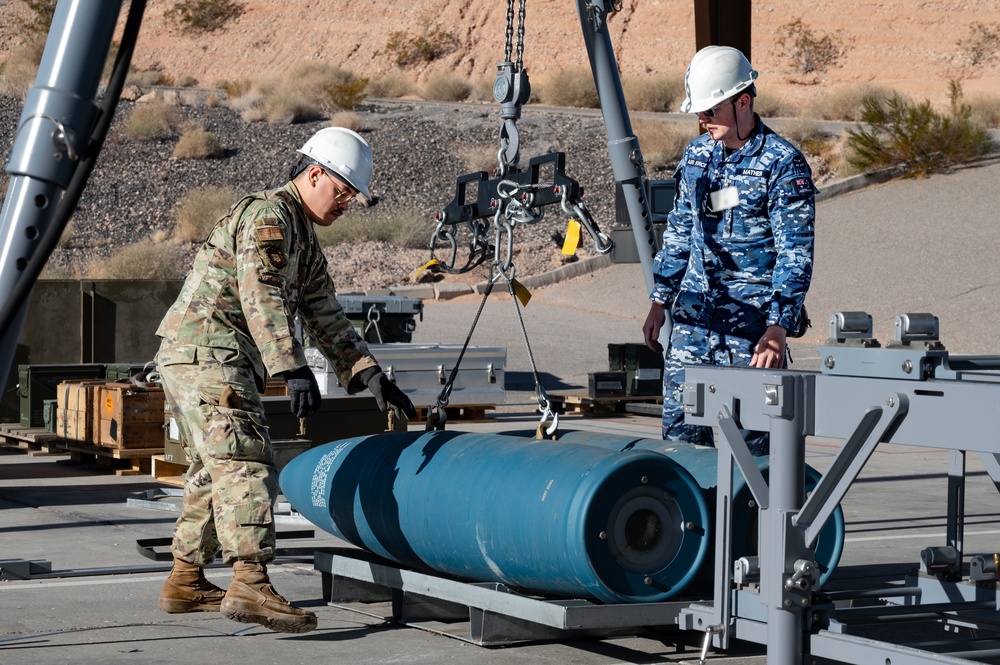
{"x": 230, "y": 327}
{"x": 727, "y": 275}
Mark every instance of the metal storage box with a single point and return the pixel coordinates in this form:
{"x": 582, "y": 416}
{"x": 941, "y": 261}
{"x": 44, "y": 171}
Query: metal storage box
{"x": 606, "y": 384}
{"x": 37, "y": 383}
{"x": 643, "y": 368}
{"x": 383, "y": 319}
{"x": 421, "y": 371}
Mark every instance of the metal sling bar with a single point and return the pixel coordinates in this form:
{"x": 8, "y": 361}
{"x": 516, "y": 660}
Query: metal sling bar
{"x": 744, "y": 460}
{"x": 851, "y": 459}
{"x": 955, "y": 526}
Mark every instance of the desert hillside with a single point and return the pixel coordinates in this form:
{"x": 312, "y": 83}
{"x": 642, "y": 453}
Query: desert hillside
{"x": 908, "y": 45}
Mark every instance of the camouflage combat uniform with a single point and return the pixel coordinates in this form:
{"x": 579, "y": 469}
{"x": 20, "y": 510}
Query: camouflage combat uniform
{"x": 727, "y": 275}
{"x": 230, "y": 327}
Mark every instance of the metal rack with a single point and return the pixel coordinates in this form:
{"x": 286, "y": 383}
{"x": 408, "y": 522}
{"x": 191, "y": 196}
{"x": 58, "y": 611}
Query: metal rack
{"x": 911, "y": 393}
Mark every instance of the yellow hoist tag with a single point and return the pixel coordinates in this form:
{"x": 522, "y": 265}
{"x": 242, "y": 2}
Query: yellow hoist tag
{"x": 429, "y": 264}
{"x": 522, "y": 292}
{"x": 572, "y": 242}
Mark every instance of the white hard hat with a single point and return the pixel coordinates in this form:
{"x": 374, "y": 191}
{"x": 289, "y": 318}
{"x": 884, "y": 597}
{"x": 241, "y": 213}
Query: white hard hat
{"x": 715, "y": 73}
{"x": 345, "y": 153}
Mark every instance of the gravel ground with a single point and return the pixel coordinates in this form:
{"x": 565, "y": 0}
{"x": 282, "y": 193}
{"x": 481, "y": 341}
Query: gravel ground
{"x": 419, "y": 148}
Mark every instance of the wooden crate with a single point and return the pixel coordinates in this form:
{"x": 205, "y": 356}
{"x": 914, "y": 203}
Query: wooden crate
{"x": 128, "y": 416}
{"x": 73, "y": 425}
{"x": 75, "y": 411}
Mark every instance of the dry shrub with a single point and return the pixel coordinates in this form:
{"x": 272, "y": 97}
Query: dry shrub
{"x": 18, "y": 71}
{"x": 845, "y": 102}
{"x": 156, "y": 120}
{"x": 391, "y": 85}
{"x": 481, "y": 89}
{"x": 663, "y": 142}
{"x": 301, "y": 96}
{"x": 395, "y": 227}
{"x": 446, "y": 87}
{"x": 197, "y": 143}
{"x": 802, "y": 132}
{"x": 199, "y": 210}
{"x": 347, "y": 119}
{"x": 659, "y": 93}
{"x": 145, "y": 78}
{"x": 187, "y": 81}
{"x": 476, "y": 156}
{"x": 985, "y": 110}
{"x": 234, "y": 89}
{"x": 773, "y": 106}
{"x": 143, "y": 260}
{"x": 568, "y": 87}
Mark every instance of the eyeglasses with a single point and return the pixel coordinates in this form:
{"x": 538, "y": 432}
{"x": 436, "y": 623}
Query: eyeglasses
{"x": 710, "y": 113}
{"x": 342, "y": 195}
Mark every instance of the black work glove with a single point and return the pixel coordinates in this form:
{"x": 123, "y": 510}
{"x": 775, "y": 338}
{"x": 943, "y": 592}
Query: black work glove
{"x": 387, "y": 392}
{"x": 303, "y": 391}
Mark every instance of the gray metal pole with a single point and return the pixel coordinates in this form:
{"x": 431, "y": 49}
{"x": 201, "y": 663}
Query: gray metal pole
{"x": 59, "y": 112}
{"x": 623, "y": 147}
{"x": 783, "y": 543}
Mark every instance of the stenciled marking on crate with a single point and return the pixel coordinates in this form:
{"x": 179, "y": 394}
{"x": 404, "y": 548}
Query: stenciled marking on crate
{"x": 318, "y": 485}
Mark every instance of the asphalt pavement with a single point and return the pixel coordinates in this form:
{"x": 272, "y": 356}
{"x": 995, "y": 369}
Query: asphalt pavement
{"x": 910, "y": 245}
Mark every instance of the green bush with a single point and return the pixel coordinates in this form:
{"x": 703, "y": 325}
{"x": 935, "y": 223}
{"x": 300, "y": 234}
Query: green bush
{"x": 156, "y": 120}
{"x": 201, "y": 16}
{"x": 916, "y": 136}
{"x": 446, "y": 87}
{"x": 808, "y": 52}
{"x": 199, "y": 210}
{"x": 143, "y": 260}
{"x": 347, "y": 94}
{"x": 568, "y": 87}
{"x": 407, "y": 49}
{"x": 197, "y": 143}
{"x": 660, "y": 93}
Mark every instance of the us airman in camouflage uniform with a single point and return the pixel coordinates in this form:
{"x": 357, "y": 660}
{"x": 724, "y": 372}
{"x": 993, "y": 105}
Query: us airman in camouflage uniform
{"x": 232, "y": 326}
{"x": 736, "y": 257}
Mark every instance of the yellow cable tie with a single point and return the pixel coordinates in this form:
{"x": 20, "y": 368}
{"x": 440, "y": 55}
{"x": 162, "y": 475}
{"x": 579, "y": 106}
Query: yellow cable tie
{"x": 572, "y": 242}
{"x": 429, "y": 264}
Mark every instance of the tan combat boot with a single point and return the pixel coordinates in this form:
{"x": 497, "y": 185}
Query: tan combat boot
{"x": 251, "y": 599}
{"x": 187, "y": 590}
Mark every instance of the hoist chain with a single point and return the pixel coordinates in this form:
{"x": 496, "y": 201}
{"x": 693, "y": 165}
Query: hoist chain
{"x": 519, "y": 52}
{"x": 509, "y": 43}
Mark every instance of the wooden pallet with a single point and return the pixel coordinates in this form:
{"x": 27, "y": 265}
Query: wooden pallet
{"x": 34, "y": 440}
{"x": 168, "y": 473}
{"x": 123, "y": 461}
{"x": 586, "y": 405}
{"x": 468, "y": 413}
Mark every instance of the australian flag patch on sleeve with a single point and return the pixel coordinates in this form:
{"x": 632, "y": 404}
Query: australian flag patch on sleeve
{"x": 803, "y": 186}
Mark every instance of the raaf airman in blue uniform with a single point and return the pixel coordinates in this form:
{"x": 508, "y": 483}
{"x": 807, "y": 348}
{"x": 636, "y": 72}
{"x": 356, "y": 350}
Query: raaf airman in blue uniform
{"x": 736, "y": 257}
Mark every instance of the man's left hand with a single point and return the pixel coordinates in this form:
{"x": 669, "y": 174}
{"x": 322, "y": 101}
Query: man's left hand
{"x": 386, "y": 392}
{"x": 770, "y": 349}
